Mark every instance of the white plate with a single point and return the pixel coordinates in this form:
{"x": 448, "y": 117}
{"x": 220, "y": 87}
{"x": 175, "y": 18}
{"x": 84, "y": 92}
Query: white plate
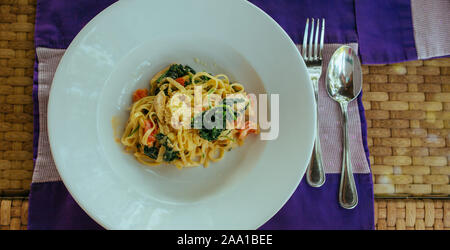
{"x": 118, "y": 52}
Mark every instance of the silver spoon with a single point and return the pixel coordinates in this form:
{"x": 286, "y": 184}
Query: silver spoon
{"x": 343, "y": 86}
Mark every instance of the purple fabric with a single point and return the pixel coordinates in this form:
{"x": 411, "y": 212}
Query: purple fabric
{"x": 35, "y": 110}
{"x": 58, "y": 22}
{"x": 362, "y": 117}
{"x": 385, "y": 31}
{"x": 382, "y": 28}
{"x": 52, "y": 207}
{"x": 317, "y": 208}
{"x": 291, "y": 15}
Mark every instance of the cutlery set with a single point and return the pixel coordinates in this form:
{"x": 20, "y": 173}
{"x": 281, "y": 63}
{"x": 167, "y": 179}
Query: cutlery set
{"x": 343, "y": 87}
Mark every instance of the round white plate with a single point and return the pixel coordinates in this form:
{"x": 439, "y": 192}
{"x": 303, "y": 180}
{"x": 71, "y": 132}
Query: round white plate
{"x": 118, "y": 52}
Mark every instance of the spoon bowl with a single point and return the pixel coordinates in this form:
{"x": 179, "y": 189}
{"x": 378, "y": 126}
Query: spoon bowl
{"x": 344, "y": 85}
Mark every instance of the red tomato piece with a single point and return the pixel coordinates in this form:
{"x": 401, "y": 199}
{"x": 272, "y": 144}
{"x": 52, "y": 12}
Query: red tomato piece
{"x": 139, "y": 94}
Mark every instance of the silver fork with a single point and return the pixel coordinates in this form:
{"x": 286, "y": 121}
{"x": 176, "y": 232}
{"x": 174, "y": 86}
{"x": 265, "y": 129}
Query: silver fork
{"x": 315, "y": 175}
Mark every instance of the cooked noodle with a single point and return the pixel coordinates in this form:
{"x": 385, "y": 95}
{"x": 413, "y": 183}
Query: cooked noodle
{"x": 167, "y": 123}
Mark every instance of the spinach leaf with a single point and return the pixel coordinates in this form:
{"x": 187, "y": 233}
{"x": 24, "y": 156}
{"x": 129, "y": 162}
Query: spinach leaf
{"x": 202, "y": 79}
{"x": 166, "y": 90}
{"x": 151, "y": 152}
{"x": 216, "y": 113}
{"x": 160, "y": 78}
{"x": 161, "y": 138}
{"x": 231, "y": 101}
{"x": 210, "y": 134}
{"x": 175, "y": 71}
{"x": 189, "y": 69}
{"x": 169, "y": 154}
{"x": 205, "y": 78}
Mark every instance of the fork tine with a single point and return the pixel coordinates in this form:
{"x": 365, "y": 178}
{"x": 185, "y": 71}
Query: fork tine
{"x": 321, "y": 38}
{"x": 310, "y": 56}
{"x": 316, "y": 41}
{"x": 305, "y": 40}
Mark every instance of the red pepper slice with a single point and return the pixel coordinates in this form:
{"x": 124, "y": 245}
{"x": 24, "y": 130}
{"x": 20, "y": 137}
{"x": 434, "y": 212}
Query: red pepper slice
{"x": 180, "y": 80}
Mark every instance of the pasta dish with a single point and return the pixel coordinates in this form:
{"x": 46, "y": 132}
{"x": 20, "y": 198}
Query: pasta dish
{"x": 188, "y": 118}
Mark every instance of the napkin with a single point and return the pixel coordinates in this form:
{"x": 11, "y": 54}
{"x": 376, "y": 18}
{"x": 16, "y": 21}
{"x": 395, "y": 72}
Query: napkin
{"x": 58, "y": 22}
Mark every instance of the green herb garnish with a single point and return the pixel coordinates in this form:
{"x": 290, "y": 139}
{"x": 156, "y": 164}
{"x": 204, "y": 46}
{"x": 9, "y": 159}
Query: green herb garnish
{"x": 134, "y": 131}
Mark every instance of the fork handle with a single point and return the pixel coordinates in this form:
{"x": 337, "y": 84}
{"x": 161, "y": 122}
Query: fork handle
{"x": 315, "y": 175}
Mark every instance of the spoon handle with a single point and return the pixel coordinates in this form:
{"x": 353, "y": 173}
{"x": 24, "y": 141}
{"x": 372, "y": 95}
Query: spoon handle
{"x": 348, "y": 196}
{"x": 315, "y": 175}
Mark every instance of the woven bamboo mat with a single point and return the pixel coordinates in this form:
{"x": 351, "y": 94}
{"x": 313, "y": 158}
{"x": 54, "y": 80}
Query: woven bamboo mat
{"x": 16, "y": 104}
{"x": 408, "y": 116}
{"x": 407, "y": 110}
{"x": 399, "y": 214}
{"x": 13, "y": 214}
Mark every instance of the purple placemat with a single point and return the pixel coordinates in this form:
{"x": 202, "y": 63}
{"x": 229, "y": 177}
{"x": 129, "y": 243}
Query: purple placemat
{"x": 58, "y": 22}
{"x": 45, "y": 171}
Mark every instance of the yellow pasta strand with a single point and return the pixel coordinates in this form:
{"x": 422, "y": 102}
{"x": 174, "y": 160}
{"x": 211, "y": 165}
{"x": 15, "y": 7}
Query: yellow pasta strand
{"x": 150, "y": 118}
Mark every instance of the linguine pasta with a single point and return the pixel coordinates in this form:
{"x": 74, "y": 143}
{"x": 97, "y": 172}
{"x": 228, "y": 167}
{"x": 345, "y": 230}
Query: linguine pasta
{"x": 187, "y": 118}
